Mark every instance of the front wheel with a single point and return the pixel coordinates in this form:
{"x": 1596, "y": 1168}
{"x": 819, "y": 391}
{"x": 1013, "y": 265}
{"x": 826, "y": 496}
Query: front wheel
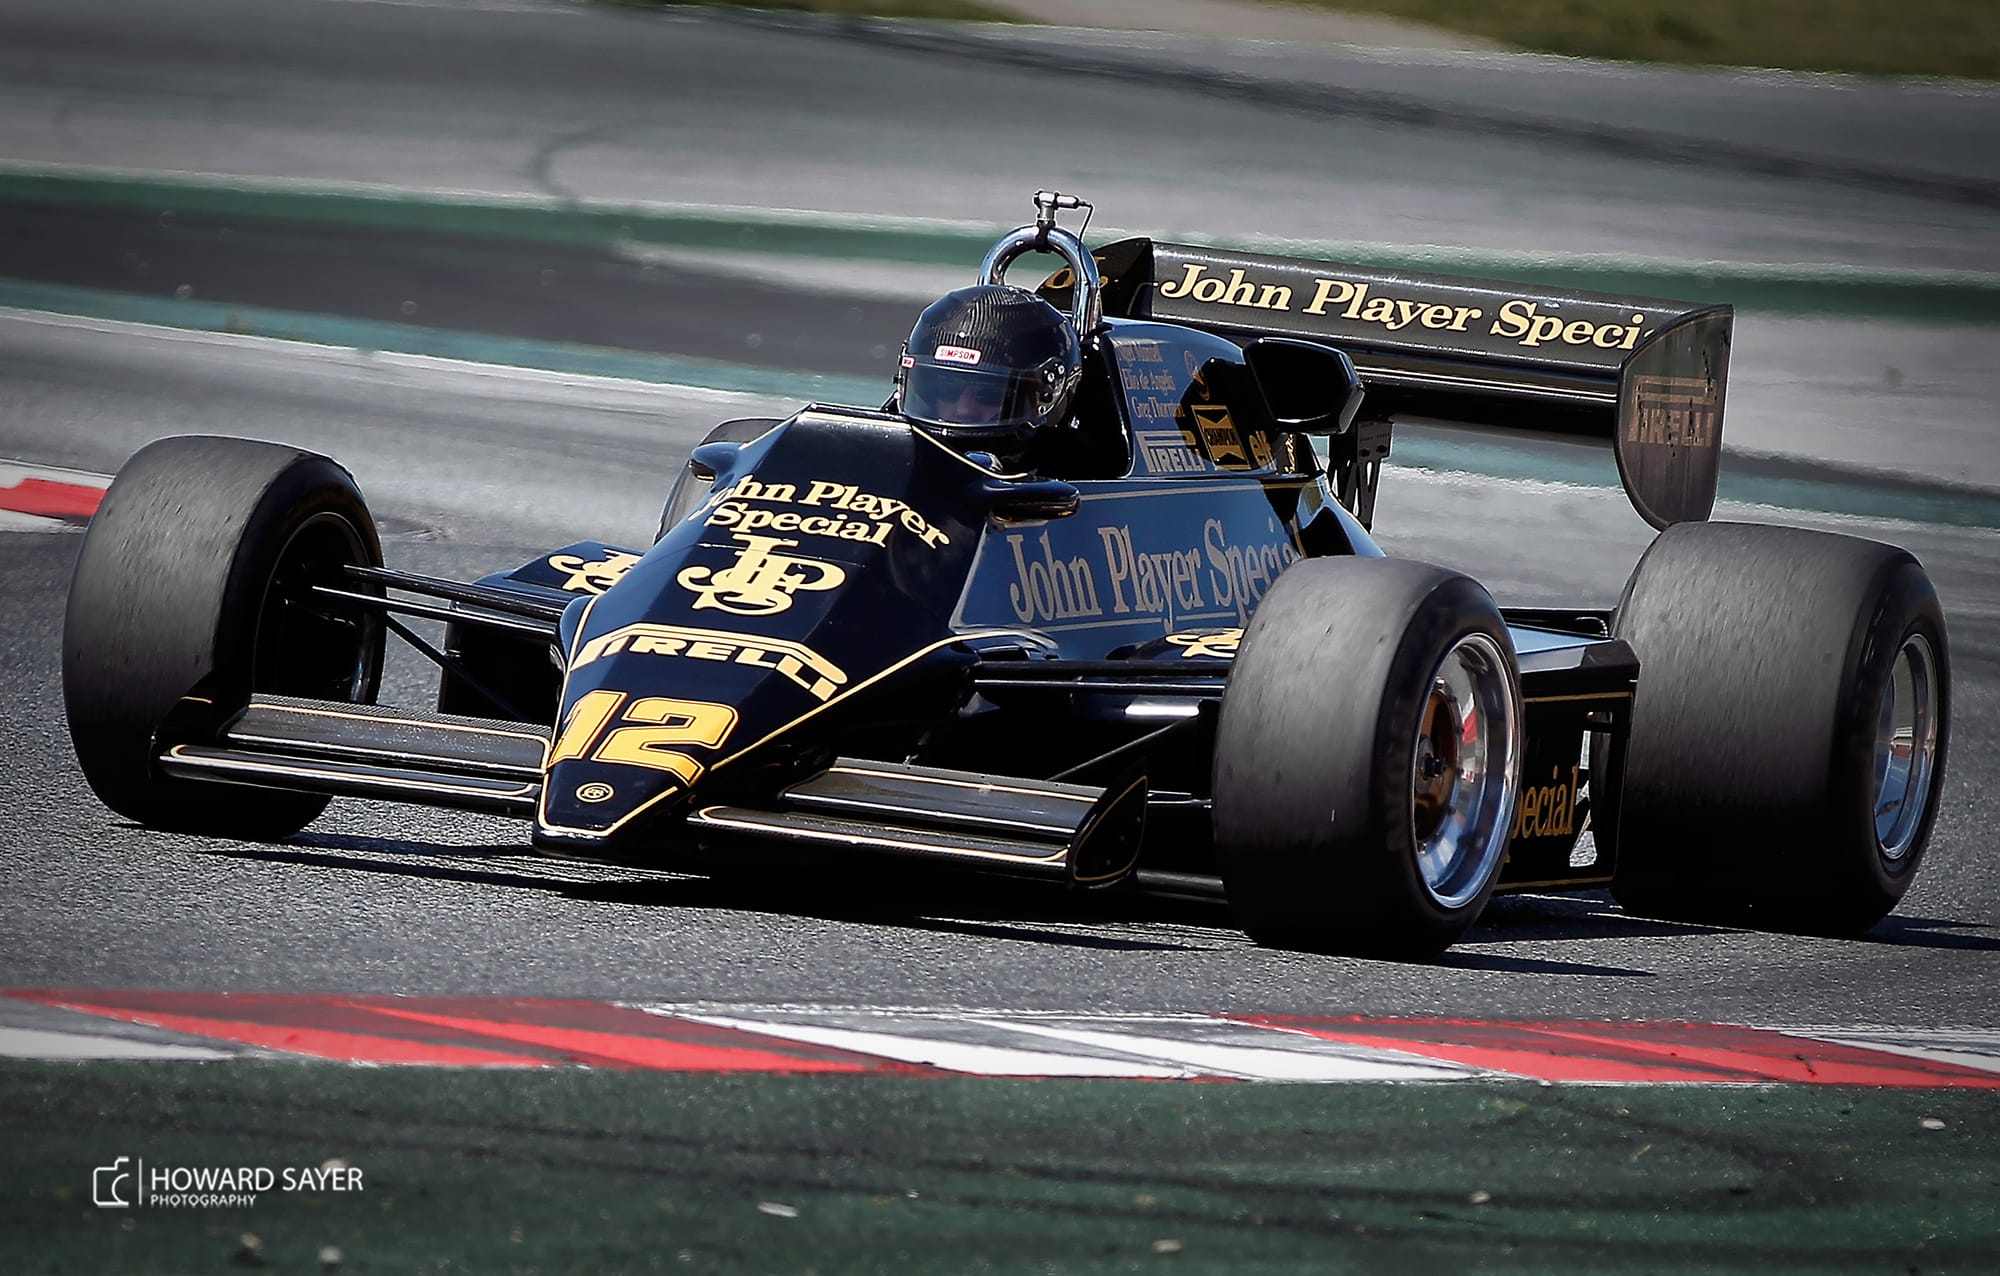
{"x": 191, "y": 591}
{"x": 1367, "y": 759}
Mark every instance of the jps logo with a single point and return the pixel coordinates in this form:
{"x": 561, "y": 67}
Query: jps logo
{"x": 593, "y": 576}
{"x": 761, "y": 581}
{"x": 1220, "y": 644}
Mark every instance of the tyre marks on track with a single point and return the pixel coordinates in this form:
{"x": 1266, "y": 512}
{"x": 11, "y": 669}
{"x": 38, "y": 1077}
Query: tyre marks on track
{"x": 539, "y": 1033}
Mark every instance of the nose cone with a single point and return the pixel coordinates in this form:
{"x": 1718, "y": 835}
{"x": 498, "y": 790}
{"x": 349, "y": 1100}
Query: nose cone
{"x": 825, "y": 562}
{"x": 651, "y": 706}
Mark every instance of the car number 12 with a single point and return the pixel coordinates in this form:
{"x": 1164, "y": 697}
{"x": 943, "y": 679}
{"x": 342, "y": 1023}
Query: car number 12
{"x": 664, "y": 728}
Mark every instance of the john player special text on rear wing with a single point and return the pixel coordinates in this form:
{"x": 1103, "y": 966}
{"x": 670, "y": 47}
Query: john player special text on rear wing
{"x": 1646, "y": 376}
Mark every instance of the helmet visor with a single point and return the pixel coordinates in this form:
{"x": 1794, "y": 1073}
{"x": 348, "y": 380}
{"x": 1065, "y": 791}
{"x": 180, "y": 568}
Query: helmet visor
{"x": 973, "y": 397}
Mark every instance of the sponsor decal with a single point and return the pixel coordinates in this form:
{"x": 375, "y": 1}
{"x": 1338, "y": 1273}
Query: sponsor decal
{"x": 128, "y": 1183}
{"x": 1239, "y": 575}
{"x": 1049, "y": 588}
{"x": 1219, "y": 436}
{"x": 1527, "y": 323}
{"x": 1236, "y": 290}
{"x": 1674, "y": 411}
{"x": 1261, "y": 455}
{"x": 595, "y": 791}
{"x": 1520, "y": 323}
{"x": 1548, "y": 810}
{"x": 593, "y": 576}
{"x": 814, "y": 673}
{"x": 762, "y": 581}
{"x": 1169, "y": 452}
{"x": 965, "y": 355}
{"x": 839, "y": 510}
{"x": 1165, "y": 582}
{"x": 1216, "y": 644}
{"x": 1120, "y": 577}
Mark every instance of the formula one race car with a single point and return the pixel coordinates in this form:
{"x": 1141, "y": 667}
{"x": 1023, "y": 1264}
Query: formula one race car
{"x": 1084, "y": 603}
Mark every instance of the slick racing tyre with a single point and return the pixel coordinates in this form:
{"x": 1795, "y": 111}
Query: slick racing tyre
{"x": 1788, "y": 732}
{"x": 190, "y": 593}
{"x": 1367, "y": 759}
{"x": 691, "y": 486}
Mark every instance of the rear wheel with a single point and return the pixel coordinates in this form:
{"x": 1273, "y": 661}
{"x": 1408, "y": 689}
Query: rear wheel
{"x": 1789, "y": 730}
{"x": 1367, "y": 759}
{"x": 190, "y": 592}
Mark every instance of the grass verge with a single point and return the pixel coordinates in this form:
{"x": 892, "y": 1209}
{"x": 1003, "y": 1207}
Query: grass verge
{"x": 1882, "y": 37}
{"x": 962, "y": 10}
{"x": 472, "y": 1170}
{"x": 1872, "y": 37}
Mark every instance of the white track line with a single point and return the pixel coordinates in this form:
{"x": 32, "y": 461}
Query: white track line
{"x": 34, "y": 1043}
{"x": 953, "y": 1056}
{"x": 1287, "y": 1058}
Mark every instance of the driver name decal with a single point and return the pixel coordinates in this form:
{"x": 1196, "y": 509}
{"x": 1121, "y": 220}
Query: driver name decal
{"x": 762, "y": 581}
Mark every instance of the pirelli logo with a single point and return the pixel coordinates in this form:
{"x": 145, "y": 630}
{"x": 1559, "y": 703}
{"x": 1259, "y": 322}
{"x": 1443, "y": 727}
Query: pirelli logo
{"x": 1674, "y": 412}
{"x": 814, "y": 673}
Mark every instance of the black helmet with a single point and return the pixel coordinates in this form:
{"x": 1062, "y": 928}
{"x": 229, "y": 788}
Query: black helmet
{"x": 989, "y": 364}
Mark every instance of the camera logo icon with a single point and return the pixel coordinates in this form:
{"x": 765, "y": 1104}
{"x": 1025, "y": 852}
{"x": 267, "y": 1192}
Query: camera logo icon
{"x": 109, "y": 1184}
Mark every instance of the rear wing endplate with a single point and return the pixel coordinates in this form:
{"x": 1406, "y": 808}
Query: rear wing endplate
{"x": 1644, "y": 375}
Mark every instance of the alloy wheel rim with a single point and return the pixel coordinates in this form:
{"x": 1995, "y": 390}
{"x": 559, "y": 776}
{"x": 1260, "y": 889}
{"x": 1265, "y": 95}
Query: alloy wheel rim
{"x": 1465, "y": 769}
{"x": 1905, "y": 749}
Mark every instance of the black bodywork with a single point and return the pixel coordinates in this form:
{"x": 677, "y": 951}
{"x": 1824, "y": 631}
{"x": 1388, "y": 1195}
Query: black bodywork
{"x": 863, "y": 642}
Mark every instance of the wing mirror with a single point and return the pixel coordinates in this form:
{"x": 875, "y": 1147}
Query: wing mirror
{"x": 709, "y": 458}
{"x": 1032, "y": 499}
{"x": 1308, "y": 387}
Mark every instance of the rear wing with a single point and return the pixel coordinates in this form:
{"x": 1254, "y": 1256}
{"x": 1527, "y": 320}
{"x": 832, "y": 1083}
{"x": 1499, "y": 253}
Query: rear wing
{"x": 1644, "y": 375}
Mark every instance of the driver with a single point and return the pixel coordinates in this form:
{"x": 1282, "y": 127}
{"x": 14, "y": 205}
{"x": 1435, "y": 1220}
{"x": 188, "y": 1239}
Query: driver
{"x": 989, "y": 367}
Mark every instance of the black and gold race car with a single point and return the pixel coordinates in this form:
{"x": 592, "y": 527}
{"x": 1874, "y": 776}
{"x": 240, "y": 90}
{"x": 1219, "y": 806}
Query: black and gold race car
{"x": 1092, "y": 600}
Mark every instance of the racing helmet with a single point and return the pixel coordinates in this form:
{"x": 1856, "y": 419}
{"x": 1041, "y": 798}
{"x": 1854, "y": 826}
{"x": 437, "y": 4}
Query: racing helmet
{"x": 989, "y": 364}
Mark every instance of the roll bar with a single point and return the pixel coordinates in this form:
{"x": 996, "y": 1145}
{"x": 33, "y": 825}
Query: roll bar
{"x": 1087, "y": 299}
